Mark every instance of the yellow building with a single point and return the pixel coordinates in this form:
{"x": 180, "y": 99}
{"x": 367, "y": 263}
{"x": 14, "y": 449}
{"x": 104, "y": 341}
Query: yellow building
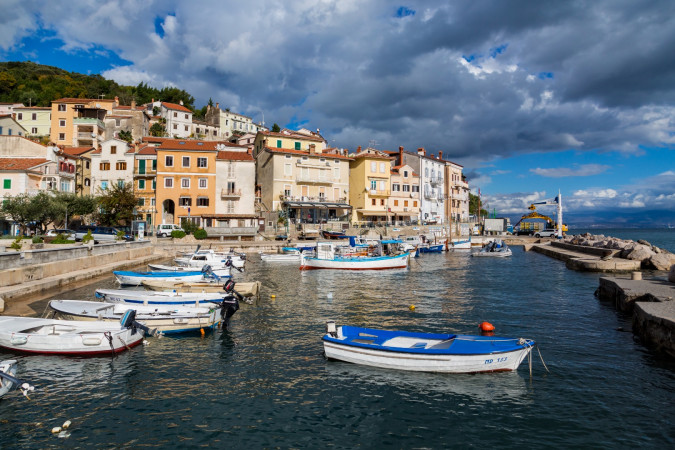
{"x": 78, "y": 122}
{"x": 186, "y": 180}
{"x": 37, "y": 120}
{"x": 145, "y": 179}
{"x": 300, "y": 178}
{"x": 369, "y": 186}
{"x": 82, "y": 156}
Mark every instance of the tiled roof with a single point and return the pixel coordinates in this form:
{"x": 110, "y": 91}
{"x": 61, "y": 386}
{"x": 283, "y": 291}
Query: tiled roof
{"x": 16, "y": 164}
{"x": 175, "y": 106}
{"x": 324, "y": 154}
{"x": 234, "y": 156}
{"x": 82, "y": 100}
{"x": 155, "y": 139}
{"x": 147, "y": 150}
{"x": 76, "y": 151}
{"x": 292, "y": 136}
{"x": 33, "y": 107}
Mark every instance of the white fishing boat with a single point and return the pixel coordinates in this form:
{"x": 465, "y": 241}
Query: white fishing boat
{"x": 494, "y": 249}
{"x": 216, "y": 260}
{"x": 166, "y": 319}
{"x": 8, "y": 380}
{"x": 246, "y": 289}
{"x": 70, "y": 337}
{"x": 288, "y": 256}
{"x": 132, "y": 278}
{"x": 133, "y": 297}
{"x": 327, "y": 257}
{"x": 460, "y": 244}
{"x": 424, "y": 352}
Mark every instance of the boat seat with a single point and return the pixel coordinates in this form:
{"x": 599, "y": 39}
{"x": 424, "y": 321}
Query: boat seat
{"x": 419, "y": 345}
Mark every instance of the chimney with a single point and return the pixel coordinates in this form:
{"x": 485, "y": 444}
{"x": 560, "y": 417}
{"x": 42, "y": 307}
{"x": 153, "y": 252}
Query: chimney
{"x": 117, "y": 101}
{"x": 180, "y": 102}
{"x": 440, "y": 154}
{"x": 133, "y": 104}
{"x": 217, "y": 105}
{"x": 400, "y": 154}
{"x": 312, "y": 149}
{"x": 421, "y": 151}
{"x": 358, "y": 149}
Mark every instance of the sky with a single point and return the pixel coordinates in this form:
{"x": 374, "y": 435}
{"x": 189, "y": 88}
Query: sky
{"x": 531, "y": 97}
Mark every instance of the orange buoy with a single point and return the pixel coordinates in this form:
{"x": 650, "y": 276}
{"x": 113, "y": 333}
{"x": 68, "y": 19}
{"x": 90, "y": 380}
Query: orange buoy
{"x": 486, "y": 326}
{"x": 201, "y": 330}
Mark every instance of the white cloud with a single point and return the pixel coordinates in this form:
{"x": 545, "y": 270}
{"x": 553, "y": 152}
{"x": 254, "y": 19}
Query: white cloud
{"x": 583, "y": 170}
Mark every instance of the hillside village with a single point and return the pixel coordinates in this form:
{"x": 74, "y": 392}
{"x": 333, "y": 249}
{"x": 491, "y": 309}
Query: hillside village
{"x": 227, "y": 174}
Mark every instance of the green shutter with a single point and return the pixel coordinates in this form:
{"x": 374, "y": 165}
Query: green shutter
{"x": 154, "y": 164}
{"x": 141, "y": 166}
{"x": 141, "y": 184}
{"x": 279, "y": 144}
{"x": 297, "y": 146}
{"x": 7, "y": 184}
{"x": 154, "y": 184}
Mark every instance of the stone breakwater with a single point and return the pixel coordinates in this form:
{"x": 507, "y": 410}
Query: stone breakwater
{"x": 650, "y": 256}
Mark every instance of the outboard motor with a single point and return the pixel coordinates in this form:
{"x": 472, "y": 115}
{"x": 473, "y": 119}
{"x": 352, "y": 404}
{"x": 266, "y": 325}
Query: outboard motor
{"x": 230, "y": 303}
{"x": 228, "y": 263}
{"x": 129, "y": 321}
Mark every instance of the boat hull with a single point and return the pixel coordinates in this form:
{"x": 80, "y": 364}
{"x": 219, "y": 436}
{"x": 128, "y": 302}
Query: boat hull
{"x": 8, "y": 367}
{"x": 166, "y": 320}
{"x": 460, "y": 245}
{"x": 159, "y": 298}
{"x": 250, "y": 289}
{"x": 423, "y": 352}
{"x": 503, "y": 254}
{"x": 128, "y": 278}
{"x": 65, "y": 337}
{"x": 358, "y": 263}
{"x": 280, "y": 257}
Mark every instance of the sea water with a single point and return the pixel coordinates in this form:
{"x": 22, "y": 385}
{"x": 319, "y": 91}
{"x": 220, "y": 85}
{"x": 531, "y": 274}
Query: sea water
{"x": 265, "y": 383}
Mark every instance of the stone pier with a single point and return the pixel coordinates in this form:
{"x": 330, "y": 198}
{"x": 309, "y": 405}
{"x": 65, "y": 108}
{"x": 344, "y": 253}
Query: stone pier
{"x": 584, "y": 258}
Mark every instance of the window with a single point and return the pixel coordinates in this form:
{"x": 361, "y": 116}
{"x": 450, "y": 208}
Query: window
{"x": 175, "y": 126}
{"x": 396, "y": 187}
{"x": 104, "y": 166}
{"x": 121, "y": 165}
{"x": 186, "y": 128}
{"x": 373, "y": 201}
{"x": 230, "y": 186}
{"x": 203, "y": 183}
{"x": 278, "y": 143}
{"x": 186, "y": 116}
{"x": 426, "y": 171}
{"x": 168, "y": 182}
{"x": 185, "y": 183}
{"x": 34, "y": 130}
{"x": 381, "y": 202}
{"x": 152, "y": 201}
{"x": 415, "y": 187}
{"x": 415, "y": 203}
{"x": 373, "y": 166}
{"x": 62, "y": 107}
{"x": 34, "y": 116}
{"x": 288, "y": 169}
{"x": 120, "y": 183}
{"x": 141, "y": 166}
{"x": 287, "y": 190}
{"x": 406, "y": 188}
{"x": 19, "y": 116}
{"x": 104, "y": 185}
{"x": 336, "y": 172}
{"x": 86, "y": 164}
{"x": 185, "y": 202}
{"x": 141, "y": 184}
{"x": 7, "y": 184}
{"x": 154, "y": 164}
{"x": 202, "y": 201}
{"x": 382, "y": 167}
{"x": 168, "y": 161}
{"x": 87, "y": 182}
{"x": 154, "y": 184}
{"x": 186, "y": 161}
{"x": 202, "y": 162}
{"x": 405, "y": 174}
{"x": 395, "y": 202}
{"x": 62, "y": 136}
{"x": 336, "y": 194}
{"x": 373, "y": 185}
{"x": 405, "y": 202}
{"x": 141, "y": 201}
{"x": 297, "y": 146}
{"x": 175, "y": 115}
{"x": 62, "y": 123}
{"x": 113, "y": 149}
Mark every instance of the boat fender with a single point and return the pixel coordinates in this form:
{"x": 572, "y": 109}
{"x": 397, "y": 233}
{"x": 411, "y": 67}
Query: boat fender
{"x": 486, "y": 327}
{"x": 331, "y": 329}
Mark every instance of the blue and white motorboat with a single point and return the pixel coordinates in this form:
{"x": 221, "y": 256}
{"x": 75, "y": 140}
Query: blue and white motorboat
{"x": 424, "y": 352}
{"x": 328, "y": 256}
{"x": 460, "y": 244}
{"x": 132, "y": 278}
{"x": 496, "y": 249}
{"x": 431, "y": 248}
{"x": 152, "y": 298}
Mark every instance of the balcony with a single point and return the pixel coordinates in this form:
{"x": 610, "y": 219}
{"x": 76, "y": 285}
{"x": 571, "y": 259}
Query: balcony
{"x": 230, "y": 193}
{"x": 429, "y": 195}
{"x": 309, "y": 179}
{"x": 379, "y": 192}
{"x": 319, "y": 199}
{"x": 436, "y": 180}
{"x": 462, "y": 184}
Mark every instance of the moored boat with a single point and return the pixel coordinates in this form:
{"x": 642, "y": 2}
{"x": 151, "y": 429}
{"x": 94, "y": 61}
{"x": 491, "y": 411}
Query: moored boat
{"x": 460, "y": 244}
{"x": 495, "y": 249}
{"x": 70, "y": 337}
{"x": 424, "y": 352}
{"x": 327, "y": 258}
{"x": 431, "y": 248}
{"x": 133, "y": 297}
{"x": 132, "y": 278}
{"x": 246, "y": 289}
{"x": 216, "y": 260}
{"x": 8, "y": 379}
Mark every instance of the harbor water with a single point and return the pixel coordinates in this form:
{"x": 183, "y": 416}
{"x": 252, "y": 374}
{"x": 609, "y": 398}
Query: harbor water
{"x": 265, "y": 383}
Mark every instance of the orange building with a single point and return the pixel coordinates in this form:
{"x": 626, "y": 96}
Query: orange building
{"x": 78, "y": 122}
{"x": 186, "y": 180}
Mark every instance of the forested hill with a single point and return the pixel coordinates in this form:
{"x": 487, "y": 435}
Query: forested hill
{"x": 37, "y": 85}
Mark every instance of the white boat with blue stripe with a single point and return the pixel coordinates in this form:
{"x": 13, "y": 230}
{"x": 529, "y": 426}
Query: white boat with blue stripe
{"x": 424, "y": 352}
{"x": 171, "y": 298}
{"x": 132, "y": 278}
{"x": 328, "y": 257}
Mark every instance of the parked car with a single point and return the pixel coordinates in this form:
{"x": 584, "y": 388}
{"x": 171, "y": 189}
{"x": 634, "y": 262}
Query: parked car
{"x": 100, "y": 234}
{"x": 545, "y": 233}
{"x": 165, "y": 229}
{"x": 69, "y": 234}
{"x": 524, "y": 232}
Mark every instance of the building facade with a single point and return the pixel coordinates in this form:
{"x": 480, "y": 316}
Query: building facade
{"x": 404, "y": 201}
{"x": 235, "y": 188}
{"x": 78, "y": 122}
{"x": 230, "y": 123}
{"x": 112, "y": 164}
{"x": 10, "y": 127}
{"x": 145, "y": 184}
{"x": 370, "y": 186}
{"x": 36, "y": 120}
{"x": 178, "y": 120}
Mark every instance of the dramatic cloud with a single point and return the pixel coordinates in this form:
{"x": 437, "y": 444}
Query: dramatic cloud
{"x": 578, "y": 171}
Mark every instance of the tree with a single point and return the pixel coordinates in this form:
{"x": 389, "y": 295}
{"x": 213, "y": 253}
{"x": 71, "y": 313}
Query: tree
{"x": 16, "y": 208}
{"x": 125, "y": 136}
{"x": 473, "y": 206}
{"x": 157, "y": 130}
{"x": 275, "y": 128}
{"x": 116, "y": 205}
{"x": 70, "y": 205}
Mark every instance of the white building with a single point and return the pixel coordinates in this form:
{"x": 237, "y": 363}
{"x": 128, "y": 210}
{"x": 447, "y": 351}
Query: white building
{"x": 235, "y": 188}
{"x": 178, "y": 120}
{"x": 10, "y": 127}
{"x": 432, "y": 181}
{"x": 112, "y": 164}
{"x": 230, "y": 122}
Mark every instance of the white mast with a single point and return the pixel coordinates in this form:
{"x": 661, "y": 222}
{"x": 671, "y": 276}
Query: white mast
{"x": 560, "y": 216}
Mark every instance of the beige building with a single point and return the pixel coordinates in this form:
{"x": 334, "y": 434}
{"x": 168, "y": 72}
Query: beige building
{"x": 370, "y": 186}
{"x": 112, "y": 164}
{"x": 457, "y": 206}
{"x": 82, "y": 157}
{"x": 299, "y": 178}
{"x": 78, "y": 122}
{"x": 10, "y": 127}
{"x": 145, "y": 184}
{"x": 36, "y": 120}
{"x": 404, "y": 201}
{"x": 235, "y": 188}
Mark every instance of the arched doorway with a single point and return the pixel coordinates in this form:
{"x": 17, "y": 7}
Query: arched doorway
{"x": 168, "y": 211}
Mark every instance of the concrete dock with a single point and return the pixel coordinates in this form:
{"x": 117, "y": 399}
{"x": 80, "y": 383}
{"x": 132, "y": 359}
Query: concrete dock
{"x": 579, "y": 257}
{"x": 652, "y": 305}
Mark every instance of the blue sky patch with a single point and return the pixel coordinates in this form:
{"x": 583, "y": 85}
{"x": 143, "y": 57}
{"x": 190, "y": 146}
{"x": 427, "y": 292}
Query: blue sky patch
{"x": 498, "y": 50}
{"x": 404, "y": 12}
{"x": 545, "y": 75}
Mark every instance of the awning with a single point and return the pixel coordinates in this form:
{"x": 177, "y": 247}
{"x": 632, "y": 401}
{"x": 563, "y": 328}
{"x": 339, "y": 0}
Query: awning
{"x": 229, "y": 216}
{"x": 325, "y": 205}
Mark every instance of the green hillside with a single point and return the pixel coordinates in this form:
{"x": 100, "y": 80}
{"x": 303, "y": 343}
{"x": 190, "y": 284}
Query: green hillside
{"x": 37, "y": 85}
